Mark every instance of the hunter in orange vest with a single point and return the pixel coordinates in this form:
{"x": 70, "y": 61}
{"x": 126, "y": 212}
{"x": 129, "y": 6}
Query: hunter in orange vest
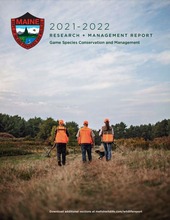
{"x": 85, "y": 138}
{"x": 107, "y": 138}
{"x": 61, "y": 139}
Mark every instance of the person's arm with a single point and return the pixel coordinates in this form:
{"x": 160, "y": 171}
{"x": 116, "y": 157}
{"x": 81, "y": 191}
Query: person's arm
{"x": 113, "y": 134}
{"x": 55, "y": 134}
{"x": 100, "y": 132}
{"x": 78, "y": 134}
{"x": 67, "y": 133}
{"x": 93, "y": 137}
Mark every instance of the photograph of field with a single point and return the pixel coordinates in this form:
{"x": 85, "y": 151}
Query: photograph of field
{"x": 85, "y": 110}
{"x": 136, "y": 180}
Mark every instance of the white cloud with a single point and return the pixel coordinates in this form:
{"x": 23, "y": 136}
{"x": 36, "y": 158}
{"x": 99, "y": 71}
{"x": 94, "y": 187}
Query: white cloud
{"x": 163, "y": 57}
{"x": 154, "y": 94}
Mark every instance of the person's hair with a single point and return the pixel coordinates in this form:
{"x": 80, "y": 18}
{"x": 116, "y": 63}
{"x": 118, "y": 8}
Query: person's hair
{"x": 107, "y": 125}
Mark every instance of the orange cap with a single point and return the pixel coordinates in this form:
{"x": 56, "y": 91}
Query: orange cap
{"x": 106, "y": 120}
{"x": 61, "y": 122}
{"x": 85, "y": 123}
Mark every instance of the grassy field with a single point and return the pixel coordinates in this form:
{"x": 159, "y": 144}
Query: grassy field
{"x": 135, "y": 184}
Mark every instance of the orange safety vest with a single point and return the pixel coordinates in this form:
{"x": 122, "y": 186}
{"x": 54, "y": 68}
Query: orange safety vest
{"x": 107, "y": 135}
{"x": 85, "y": 136}
{"x": 61, "y": 136}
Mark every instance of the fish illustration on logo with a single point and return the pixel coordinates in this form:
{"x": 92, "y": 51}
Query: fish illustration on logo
{"x": 27, "y": 30}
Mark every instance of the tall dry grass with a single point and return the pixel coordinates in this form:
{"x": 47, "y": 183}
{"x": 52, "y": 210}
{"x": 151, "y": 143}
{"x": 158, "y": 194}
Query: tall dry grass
{"x": 137, "y": 180}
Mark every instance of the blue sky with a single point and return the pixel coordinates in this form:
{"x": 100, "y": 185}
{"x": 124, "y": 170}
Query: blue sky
{"x": 24, "y": 26}
{"x": 129, "y": 83}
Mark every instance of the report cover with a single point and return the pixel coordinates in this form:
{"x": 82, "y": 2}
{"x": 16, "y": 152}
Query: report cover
{"x": 78, "y": 61}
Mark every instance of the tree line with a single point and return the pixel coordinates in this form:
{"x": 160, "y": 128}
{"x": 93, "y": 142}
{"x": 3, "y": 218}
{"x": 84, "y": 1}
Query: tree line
{"x": 148, "y": 132}
{"x": 44, "y": 129}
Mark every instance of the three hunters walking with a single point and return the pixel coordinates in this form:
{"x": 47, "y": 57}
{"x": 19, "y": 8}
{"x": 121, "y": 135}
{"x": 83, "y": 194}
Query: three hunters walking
{"x": 86, "y": 140}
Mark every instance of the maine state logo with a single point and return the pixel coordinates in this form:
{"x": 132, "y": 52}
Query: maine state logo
{"x": 27, "y": 30}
